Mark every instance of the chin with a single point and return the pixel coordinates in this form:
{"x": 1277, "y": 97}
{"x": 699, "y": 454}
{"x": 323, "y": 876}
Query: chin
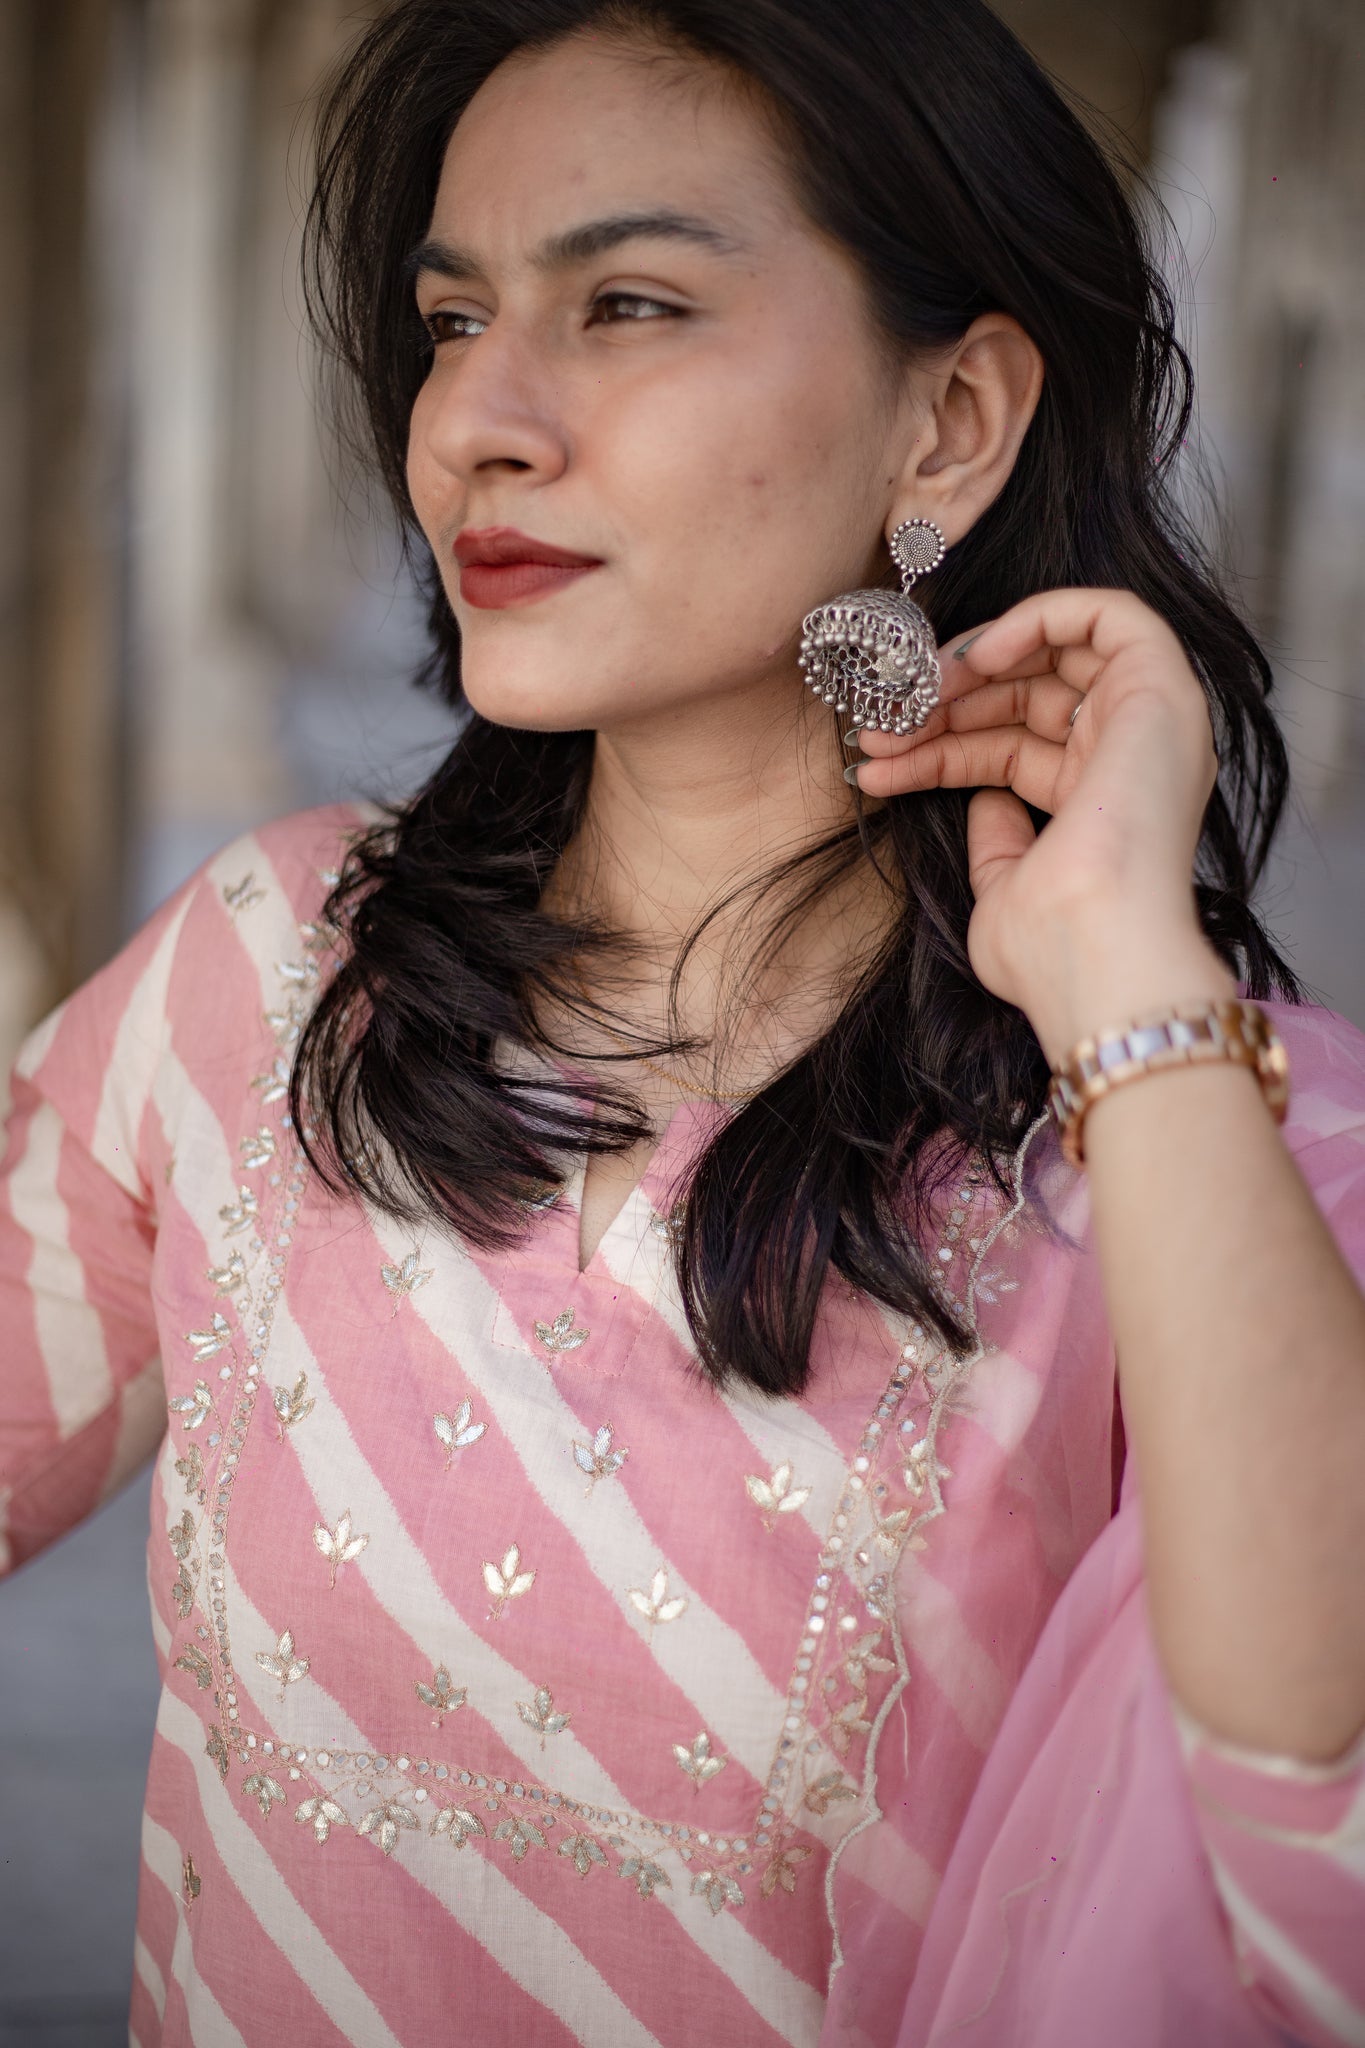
{"x": 537, "y": 702}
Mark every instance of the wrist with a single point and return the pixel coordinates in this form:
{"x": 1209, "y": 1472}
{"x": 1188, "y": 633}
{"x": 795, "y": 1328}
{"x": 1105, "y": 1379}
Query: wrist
{"x": 1103, "y": 987}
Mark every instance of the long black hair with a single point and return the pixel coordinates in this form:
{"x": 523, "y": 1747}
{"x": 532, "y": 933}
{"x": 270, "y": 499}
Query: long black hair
{"x": 928, "y": 143}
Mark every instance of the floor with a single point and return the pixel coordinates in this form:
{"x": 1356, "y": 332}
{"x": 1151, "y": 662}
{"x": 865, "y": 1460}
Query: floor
{"x": 77, "y": 1700}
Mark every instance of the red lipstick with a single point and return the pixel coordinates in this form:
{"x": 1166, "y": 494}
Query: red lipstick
{"x": 500, "y": 566}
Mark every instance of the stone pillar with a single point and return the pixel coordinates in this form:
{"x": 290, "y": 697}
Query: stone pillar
{"x": 208, "y": 762}
{"x": 1115, "y": 57}
{"x": 61, "y": 742}
{"x": 1302, "y": 323}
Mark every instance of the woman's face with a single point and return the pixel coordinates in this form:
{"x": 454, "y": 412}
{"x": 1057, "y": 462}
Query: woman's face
{"x": 647, "y": 361}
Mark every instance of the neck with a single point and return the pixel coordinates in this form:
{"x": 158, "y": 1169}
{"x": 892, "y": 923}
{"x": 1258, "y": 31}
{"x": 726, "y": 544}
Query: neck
{"x": 684, "y": 808}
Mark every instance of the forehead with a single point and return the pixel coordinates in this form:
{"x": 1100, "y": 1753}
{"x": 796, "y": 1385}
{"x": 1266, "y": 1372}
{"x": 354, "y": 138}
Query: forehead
{"x": 595, "y": 126}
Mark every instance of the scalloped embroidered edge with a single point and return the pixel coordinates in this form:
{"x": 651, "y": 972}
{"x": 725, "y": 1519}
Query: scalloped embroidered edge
{"x": 952, "y": 1382}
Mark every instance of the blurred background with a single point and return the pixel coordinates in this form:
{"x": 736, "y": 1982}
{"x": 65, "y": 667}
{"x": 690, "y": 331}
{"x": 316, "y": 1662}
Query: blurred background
{"x": 195, "y": 635}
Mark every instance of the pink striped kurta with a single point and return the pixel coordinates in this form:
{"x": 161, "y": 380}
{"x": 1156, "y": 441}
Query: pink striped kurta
{"x": 519, "y": 1687}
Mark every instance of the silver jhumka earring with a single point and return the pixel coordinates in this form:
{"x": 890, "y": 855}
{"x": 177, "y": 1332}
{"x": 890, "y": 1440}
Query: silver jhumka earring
{"x": 871, "y": 652}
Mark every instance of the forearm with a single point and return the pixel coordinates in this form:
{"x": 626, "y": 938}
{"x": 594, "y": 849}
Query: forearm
{"x": 1240, "y": 1333}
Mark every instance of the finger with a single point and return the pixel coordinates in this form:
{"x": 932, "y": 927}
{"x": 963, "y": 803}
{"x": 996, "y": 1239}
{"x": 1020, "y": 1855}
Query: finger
{"x": 1006, "y": 757}
{"x": 1043, "y": 704}
{"x": 999, "y": 833}
{"x": 956, "y": 647}
{"x": 1076, "y": 666}
{"x": 1103, "y": 620}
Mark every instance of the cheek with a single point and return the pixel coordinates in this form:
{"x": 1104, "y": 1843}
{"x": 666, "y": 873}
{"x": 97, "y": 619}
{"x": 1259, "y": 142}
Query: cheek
{"x": 757, "y": 485}
{"x": 795, "y": 432}
{"x": 423, "y": 472}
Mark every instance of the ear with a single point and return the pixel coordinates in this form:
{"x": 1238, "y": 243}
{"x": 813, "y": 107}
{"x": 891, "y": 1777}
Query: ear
{"x": 970, "y": 411}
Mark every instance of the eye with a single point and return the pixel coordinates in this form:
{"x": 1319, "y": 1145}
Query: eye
{"x": 446, "y": 326}
{"x": 609, "y": 307}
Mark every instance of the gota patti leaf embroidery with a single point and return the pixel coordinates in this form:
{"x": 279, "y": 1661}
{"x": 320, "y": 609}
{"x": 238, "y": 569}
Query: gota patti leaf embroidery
{"x": 850, "y": 1720}
{"x": 540, "y": 1714}
{"x": 776, "y": 1496}
{"x": 864, "y": 1657}
{"x": 286, "y": 1023}
{"x": 281, "y": 1664}
{"x": 782, "y": 1869}
{"x": 184, "y": 1586}
{"x": 697, "y": 1761}
{"x": 825, "y": 1791}
{"x": 382, "y": 1824}
{"x": 519, "y": 1835}
{"x": 292, "y": 1404}
{"x": 243, "y": 895}
{"x": 507, "y": 1581}
{"x": 320, "y": 1814}
{"x": 258, "y": 1150}
{"x": 598, "y": 1459}
{"x": 584, "y": 1851}
{"x": 442, "y": 1695}
{"x": 274, "y": 1086}
{"x": 645, "y": 1875}
{"x": 191, "y": 1468}
{"x": 264, "y": 1789}
{"x": 195, "y": 1408}
{"x": 456, "y": 1431}
{"x": 458, "y": 1825}
{"x": 298, "y": 974}
{"x": 718, "y": 1890}
{"x": 560, "y": 1335}
{"x": 339, "y": 1546}
{"x": 240, "y": 1215}
{"x": 669, "y": 1227}
{"x": 922, "y": 1466}
{"x": 657, "y": 1605}
{"x": 197, "y": 1664}
{"x": 392, "y": 1812}
{"x": 208, "y": 1343}
{"x": 180, "y": 1536}
{"x": 402, "y": 1281}
{"x": 228, "y": 1278}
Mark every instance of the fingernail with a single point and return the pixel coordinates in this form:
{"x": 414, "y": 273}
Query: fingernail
{"x": 851, "y": 772}
{"x": 958, "y": 652}
{"x": 851, "y": 737}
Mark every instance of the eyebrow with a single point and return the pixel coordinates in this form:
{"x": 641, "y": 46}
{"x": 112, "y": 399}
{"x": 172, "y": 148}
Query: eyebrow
{"x": 581, "y": 244}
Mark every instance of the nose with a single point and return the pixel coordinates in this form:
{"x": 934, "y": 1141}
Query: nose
{"x": 493, "y": 409}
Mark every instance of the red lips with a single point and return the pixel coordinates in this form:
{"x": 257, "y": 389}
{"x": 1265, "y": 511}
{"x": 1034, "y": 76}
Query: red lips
{"x": 500, "y": 566}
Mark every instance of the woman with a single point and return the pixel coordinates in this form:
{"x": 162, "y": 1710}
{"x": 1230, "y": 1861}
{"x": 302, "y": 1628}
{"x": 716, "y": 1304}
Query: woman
{"x": 637, "y": 1548}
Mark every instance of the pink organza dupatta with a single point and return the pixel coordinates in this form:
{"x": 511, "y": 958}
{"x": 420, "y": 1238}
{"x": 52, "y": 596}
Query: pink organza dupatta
{"x": 1080, "y": 1906}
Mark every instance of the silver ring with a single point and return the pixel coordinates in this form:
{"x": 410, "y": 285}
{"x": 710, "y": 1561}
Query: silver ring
{"x": 1076, "y": 713}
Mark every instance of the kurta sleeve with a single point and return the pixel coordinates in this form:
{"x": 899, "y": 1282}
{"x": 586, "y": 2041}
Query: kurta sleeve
{"x": 1286, "y": 1839}
{"x": 81, "y": 1398}
{"x": 1286, "y": 1844}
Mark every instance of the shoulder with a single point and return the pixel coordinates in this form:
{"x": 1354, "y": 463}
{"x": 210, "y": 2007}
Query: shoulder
{"x": 253, "y": 897}
{"x": 208, "y": 994}
{"x": 290, "y": 864}
{"x": 221, "y": 939}
{"x": 250, "y": 946}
